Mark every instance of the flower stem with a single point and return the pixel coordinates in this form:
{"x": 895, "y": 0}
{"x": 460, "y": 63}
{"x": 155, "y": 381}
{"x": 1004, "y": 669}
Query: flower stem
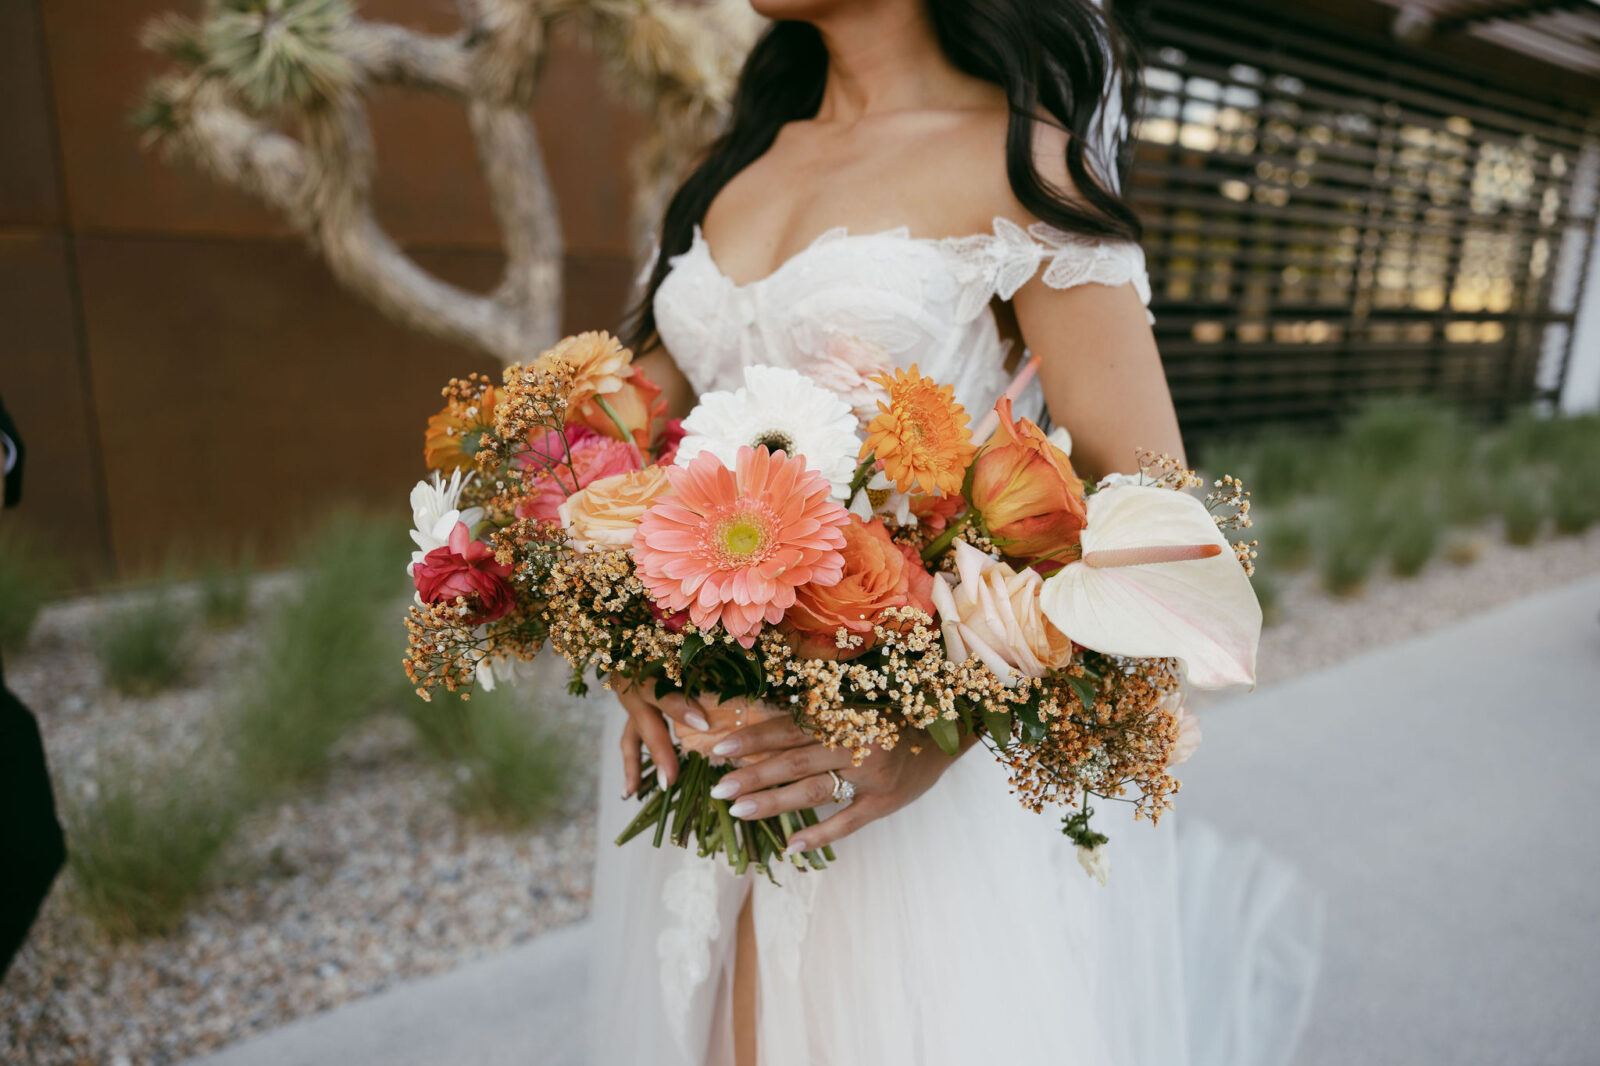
{"x": 942, "y": 543}
{"x": 611, "y": 413}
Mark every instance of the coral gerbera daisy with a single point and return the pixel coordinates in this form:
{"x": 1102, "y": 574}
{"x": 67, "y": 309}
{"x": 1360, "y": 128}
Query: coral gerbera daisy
{"x": 921, "y": 436}
{"x": 731, "y": 546}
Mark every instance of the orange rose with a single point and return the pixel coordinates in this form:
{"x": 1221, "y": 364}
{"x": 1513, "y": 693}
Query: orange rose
{"x": 878, "y": 574}
{"x": 1024, "y": 487}
{"x": 604, "y": 514}
{"x": 638, "y": 404}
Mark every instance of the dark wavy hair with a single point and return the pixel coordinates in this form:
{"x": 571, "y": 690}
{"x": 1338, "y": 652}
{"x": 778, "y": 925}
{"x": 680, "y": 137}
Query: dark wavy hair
{"x": 1056, "y": 60}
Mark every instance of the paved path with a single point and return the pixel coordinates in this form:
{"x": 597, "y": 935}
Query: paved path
{"x": 1440, "y": 791}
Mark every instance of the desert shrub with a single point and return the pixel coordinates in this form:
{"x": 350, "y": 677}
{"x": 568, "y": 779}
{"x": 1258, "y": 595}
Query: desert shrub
{"x": 29, "y": 577}
{"x": 142, "y": 840}
{"x": 1522, "y": 504}
{"x": 224, "y": 591}
{"x": 509, "y": 765}
{"x": 1413, "y": 536}
{"x": 143, "y": 646}
{"x": 1287, "y": 540}
{"x": 327, "y": 655}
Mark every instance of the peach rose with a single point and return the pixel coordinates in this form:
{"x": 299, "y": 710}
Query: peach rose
{"x": 878, "y": 574}
{"x": 991, "y": 611}
{"x": 604, "y": 514}
{"x": 1025, "y": 489}
{"x": 638, "y": 405}
{"x": 599, "y": 364}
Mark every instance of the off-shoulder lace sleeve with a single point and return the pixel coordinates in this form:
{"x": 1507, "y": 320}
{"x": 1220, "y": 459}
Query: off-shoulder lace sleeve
{"x": 1001, "y": 263}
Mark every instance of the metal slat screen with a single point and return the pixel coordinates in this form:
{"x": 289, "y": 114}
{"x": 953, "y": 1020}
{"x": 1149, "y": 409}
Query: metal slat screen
{"x": 1328, "y": 219}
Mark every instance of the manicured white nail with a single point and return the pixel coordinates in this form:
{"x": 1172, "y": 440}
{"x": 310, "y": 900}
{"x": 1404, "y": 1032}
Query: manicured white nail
{"x": 726, "y": 747}
{"x": 742, "y": 808}
{"x": 697, "y": 720}
{"x": 727, "y": 788}
{"x": 794, "y": 848}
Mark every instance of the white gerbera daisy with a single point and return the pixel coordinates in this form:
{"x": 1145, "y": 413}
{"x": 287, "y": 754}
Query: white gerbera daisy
{"x": 783, "y": 410}
{"x": 435, "y": 510}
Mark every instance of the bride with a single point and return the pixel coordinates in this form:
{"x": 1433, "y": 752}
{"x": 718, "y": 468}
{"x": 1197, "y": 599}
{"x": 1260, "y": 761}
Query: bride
{"x": 926, "y": 181}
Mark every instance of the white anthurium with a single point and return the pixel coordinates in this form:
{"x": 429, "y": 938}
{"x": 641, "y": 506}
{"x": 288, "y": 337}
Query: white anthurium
{"x": 435, "y": 510}
{"x": 1158, "y": 579}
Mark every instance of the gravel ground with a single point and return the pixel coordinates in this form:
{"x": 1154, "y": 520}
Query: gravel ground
{"x": 371, "y": 878}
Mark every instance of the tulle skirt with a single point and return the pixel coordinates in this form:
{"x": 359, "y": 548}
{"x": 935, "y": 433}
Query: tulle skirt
{"x": 961, "y": 930}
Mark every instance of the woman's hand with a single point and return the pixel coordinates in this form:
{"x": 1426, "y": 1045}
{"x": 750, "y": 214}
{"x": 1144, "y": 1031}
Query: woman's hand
{"x": 794, "y": 775}
{"x": 647, "y": 727}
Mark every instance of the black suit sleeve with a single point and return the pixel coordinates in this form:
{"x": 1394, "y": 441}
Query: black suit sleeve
{"x": 13, "y": 490}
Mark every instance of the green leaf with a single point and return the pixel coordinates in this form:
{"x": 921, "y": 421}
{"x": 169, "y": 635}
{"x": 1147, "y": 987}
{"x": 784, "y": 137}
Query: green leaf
{"x": 1083, "y": 687}
{"x": 1033, "y": 727}
{"x": 998, "y": 723}
{"x": 693, "y": 645}
{"x": 947, "y": 734}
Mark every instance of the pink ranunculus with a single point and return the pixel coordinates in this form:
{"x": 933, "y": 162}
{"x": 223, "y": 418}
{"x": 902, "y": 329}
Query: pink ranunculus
{"x": 466, "y": 568}
{"x": 593, "y": 457}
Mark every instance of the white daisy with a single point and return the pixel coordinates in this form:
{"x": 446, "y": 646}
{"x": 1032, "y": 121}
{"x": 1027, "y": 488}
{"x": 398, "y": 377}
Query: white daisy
{"x": 879, "y": 497}
{"x": 435, "y": 510}
{"x": 783, "y": 410}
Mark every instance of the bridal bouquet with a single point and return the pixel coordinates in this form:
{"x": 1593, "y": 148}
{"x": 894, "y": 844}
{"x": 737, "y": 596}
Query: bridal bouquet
{"x": 840, "y": 547}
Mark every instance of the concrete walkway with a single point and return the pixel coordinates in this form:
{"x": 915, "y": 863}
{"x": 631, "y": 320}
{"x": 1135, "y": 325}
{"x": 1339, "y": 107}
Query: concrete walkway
{"x": 1439, "y": 791}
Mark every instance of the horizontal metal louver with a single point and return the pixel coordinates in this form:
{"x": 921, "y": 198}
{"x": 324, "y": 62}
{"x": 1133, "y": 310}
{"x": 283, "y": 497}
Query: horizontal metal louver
{"x": 1330, "y": 217}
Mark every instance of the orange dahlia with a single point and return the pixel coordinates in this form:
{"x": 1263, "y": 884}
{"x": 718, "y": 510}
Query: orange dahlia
{"x": 732, "y": 546}
{"x": 920, "y": 437}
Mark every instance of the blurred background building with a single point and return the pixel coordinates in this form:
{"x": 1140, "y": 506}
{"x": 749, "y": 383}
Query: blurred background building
{"x": 1342, "y": 199}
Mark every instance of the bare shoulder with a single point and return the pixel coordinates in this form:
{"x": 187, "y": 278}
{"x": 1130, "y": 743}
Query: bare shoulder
{"x": 974, "y": 181}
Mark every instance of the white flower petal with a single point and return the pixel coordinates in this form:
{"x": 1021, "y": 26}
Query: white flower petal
{"x": 1202, "y": 612}
{"x": 782, "y": 403}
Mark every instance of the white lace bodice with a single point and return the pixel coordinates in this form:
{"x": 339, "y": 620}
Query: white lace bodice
{"x": 923, "y": 301}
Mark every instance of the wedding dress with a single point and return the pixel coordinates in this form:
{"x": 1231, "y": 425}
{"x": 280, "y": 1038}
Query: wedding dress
{"x": 960, "y": 930}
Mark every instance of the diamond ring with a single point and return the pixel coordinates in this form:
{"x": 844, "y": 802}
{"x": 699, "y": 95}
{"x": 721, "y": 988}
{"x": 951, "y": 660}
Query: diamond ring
{"x": 843, "y": 791}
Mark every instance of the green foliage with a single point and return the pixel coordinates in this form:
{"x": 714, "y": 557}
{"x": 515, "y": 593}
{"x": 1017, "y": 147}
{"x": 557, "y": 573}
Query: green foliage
{"x": 1575, "y": 503}
{"x": 1522, "y": 504}
{"x": 1288, "y": 540}
{"x": 277, "y": 54}
{"x": 325, "y": 658}
{"x": 1351, "y": 539}
{"x": 225, "y": 591}
{"x": 143, "y": 646}
{"x": 510, "y": 767}
{"x": 1400, "y": 474}
{"x": 141, "y": 841}
{"x": 1414, "y": 539}
{"x": 29, "y": 577}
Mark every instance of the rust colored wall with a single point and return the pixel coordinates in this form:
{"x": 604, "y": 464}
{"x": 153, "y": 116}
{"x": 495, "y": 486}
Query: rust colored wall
{"x": 187, "y": 375}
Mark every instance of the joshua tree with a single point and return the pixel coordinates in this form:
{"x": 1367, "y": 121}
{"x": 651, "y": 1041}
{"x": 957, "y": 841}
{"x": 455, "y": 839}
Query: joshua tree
{"x": 269, "y": 95}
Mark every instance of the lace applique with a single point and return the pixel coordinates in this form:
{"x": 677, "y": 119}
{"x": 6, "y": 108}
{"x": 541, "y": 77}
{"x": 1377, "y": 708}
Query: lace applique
{"x": 684, "y": 946}
{"x": 999, "y": 264}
